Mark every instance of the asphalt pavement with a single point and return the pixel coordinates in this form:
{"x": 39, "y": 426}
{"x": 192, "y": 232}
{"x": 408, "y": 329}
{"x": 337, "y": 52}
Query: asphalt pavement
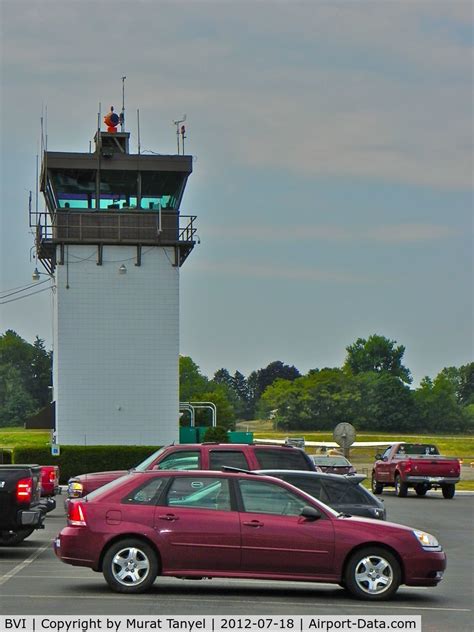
{"x": 34, "y": 582}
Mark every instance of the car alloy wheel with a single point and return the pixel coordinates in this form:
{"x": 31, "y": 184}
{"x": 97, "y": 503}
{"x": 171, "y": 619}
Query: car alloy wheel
{"x": 373, "y": 573}
{"x": 130, "y": 566}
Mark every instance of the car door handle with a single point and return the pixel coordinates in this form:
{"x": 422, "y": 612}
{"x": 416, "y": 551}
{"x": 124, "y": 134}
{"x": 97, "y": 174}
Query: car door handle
{"x": 168, "y": 517}
{"x": 254, "y": 523}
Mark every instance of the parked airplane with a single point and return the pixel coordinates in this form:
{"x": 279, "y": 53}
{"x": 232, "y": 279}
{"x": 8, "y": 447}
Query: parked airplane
{"x": 300, "y": 442}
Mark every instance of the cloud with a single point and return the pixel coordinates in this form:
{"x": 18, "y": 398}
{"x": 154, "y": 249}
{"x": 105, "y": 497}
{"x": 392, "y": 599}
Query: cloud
{"x": 396, "y": 234}
{"x": 276, "y": 272}
{"x": 371, "y": 90}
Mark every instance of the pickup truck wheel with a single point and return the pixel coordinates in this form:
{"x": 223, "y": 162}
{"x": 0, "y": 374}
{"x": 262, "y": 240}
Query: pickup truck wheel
{"x": 377, "y": 488}
{"x": 401, "y": 489}
{"x": 372, "y": 573}
{"x": 130, "y": 566}
{"x": 10, "y": 538}
{"x": 421, "y": 490}
{"x": 448, "y": 490}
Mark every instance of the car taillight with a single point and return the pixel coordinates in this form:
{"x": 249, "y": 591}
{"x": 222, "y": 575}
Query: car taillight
{"x": 406, "y": 466}
{"x": 52, "y": 476}
{"x": 24, "y": 489}
{"x": 76, "y": 516}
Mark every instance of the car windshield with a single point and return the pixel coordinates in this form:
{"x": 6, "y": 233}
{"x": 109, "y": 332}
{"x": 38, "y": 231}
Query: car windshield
{"x": 144, "y": 465}
{"x": 331, "y": 461}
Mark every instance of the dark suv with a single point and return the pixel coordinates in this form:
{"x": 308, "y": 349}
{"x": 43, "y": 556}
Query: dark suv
{"x": 203, "y": 456}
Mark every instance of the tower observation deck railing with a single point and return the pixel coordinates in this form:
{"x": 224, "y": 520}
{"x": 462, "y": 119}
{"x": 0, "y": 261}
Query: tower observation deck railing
{"x": 167, "y": 228}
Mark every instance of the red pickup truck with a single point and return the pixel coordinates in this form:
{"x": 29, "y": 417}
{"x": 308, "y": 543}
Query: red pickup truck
{"x": 417, "y": 465}
{"x": 49, "y": 480}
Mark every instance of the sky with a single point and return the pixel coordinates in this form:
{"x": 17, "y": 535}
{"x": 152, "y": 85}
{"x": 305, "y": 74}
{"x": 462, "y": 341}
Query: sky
{"x": 332, "y": 164}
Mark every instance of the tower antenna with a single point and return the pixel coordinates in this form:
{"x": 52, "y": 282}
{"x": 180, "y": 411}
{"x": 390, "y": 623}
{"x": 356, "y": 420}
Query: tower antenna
{"x": 138, "y": 131}
{"x": 122, "y": 115}
{"x": 177, "y": 123}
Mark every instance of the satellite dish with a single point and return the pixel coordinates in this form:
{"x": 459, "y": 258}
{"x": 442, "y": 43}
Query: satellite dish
{"x": 344, "y": 435}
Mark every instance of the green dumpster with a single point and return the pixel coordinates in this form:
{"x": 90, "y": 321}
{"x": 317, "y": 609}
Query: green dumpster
{"x": 240, "y": 437}
{"x": 188, "y": 434}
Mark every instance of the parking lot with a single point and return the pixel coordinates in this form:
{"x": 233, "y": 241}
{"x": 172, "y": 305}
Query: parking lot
{"x": 34, "y": 582}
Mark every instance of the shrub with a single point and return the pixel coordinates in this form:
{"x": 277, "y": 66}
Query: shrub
{"x": 218, "y": 433}
{"x": 75, "y": 460}
{"x": 5, "y": 456}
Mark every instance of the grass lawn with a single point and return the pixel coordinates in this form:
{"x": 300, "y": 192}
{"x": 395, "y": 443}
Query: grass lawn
{"x": 19, "y": 437}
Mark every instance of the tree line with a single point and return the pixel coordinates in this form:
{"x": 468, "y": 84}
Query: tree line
{"x": 371, "y": 390}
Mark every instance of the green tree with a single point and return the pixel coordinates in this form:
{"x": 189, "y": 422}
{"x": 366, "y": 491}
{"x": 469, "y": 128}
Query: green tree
{"x": 25, "y": 378}
{"x": 317, "y": 401}
{"x": 462, "y": 379}
{"x": 388, "y": 403}
{"x": 195, "y": 387}
{"x": 259, "y": 380}
{"x": 378, "y": 354}
{"x": 436, "y": 406}
{"x": 191, "y": 380}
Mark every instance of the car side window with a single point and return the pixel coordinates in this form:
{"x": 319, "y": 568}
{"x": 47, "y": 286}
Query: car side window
{"x": 281, "y": 459}
{"x": 182, "y": 460}
{"x": 147, "y": 493}
{"x": 268, "y": 498}
{"x": 231, "y": 458}
{"x": 199, "y": 493}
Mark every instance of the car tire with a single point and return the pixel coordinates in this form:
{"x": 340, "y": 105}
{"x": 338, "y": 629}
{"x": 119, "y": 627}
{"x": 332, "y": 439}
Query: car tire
{"x": 10, "y": 538}
{"x": 130, "y": 566}
{"x": 448, "y": 490}
{"x": 372, "y": 573}
{"x": 401, "y": 489}
{"x": 421, "y": 490}
{"x": 377, "y": 488}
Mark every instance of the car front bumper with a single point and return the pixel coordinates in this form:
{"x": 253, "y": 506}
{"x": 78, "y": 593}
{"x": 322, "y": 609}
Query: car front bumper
{"x": 425, "y": 569}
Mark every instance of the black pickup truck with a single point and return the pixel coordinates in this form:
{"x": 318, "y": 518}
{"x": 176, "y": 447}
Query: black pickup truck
{"x": 21, "y": 508}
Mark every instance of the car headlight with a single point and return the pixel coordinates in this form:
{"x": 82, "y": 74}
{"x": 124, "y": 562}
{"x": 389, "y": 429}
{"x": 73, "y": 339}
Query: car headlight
{"x": 75, "y": 489}
{"x": 427, "y": 541}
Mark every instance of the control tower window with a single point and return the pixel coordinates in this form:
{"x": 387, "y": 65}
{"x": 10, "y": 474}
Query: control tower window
{"x": 161, "y": 190}
{"x": 73, "y": 188}
{"x": 118, "y": 190}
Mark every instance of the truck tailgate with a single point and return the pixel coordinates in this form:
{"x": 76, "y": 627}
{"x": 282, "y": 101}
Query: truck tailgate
{"x": 433, "y": 466}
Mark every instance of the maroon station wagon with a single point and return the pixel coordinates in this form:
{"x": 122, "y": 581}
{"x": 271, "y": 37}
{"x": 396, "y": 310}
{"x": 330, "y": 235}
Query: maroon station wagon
{"x": 231, "y": 524}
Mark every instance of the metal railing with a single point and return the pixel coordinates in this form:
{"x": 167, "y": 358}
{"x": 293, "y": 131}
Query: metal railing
{"x": 114, "y": 227}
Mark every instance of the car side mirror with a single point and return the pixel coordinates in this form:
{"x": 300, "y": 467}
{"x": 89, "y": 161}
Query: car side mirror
{"x": 378, "y": 457}
{"x": 310, "y": 513}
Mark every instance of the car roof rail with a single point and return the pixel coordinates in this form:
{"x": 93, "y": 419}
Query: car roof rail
{"x": 239, "y": 470}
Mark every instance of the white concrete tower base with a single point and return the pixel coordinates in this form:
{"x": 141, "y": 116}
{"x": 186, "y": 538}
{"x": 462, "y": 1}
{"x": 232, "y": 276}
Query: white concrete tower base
{"x": 116, "y": 369}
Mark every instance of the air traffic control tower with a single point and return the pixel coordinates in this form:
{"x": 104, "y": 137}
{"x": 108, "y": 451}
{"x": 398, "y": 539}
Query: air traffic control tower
{"x": 114, "y": 239}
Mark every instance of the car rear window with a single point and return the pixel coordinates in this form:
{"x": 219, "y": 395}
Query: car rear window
{"x": 230, "y": 458}
{"x": 345, "y": 493}
{"x": 283, "y": 459}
